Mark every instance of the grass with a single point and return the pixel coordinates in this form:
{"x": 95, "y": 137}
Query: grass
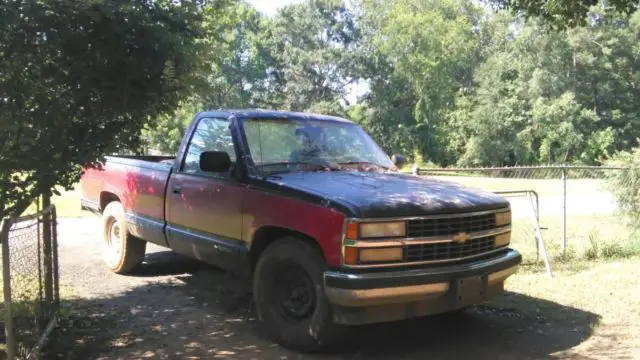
{"x": 608, "y": 289}
{"x": 25, "y": 292}
{"x": 589, "y": 237}
{"x": 67, "y": 204}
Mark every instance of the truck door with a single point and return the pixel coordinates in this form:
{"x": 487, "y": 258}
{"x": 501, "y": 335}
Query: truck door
{"x": 204, "y": 209}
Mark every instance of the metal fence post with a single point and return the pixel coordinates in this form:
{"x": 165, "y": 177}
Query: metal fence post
{"x": 6, "y": 280}
{"x": 564, "y": 211}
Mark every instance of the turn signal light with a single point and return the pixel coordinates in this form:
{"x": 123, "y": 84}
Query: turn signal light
{"x": 350, "y": 255}
{"x": 352, "y": 231}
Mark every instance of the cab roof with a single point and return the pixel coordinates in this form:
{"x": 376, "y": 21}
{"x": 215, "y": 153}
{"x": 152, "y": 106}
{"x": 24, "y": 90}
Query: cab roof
{"x": 271, "y": 114}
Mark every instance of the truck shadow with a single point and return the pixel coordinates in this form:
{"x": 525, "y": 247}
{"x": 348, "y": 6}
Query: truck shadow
{"x": 206, "y": 313}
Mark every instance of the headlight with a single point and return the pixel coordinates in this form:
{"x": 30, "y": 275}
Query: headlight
{"x": 503, "y": 218}
{"x": 382, "y": 229}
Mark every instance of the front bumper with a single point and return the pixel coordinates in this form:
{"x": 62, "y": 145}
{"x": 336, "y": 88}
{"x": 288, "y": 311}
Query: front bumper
{"x": 392, "y": 295}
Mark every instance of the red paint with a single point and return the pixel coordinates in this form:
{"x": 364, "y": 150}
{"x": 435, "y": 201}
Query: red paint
{"x": 318, "y": 222}
{"x": 214, "y": 206}
{"x": 139, "y": 191}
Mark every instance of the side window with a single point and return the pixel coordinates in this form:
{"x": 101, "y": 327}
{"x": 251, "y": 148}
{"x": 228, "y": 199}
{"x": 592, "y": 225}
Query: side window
{"x": 209, "y": 135}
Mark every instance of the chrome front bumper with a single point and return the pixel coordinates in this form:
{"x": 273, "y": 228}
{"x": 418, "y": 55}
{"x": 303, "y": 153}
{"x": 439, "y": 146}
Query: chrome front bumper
{"x": 446, "y": 287}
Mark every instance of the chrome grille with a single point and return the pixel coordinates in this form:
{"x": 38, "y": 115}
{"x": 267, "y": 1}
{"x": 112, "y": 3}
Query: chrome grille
{"x": 449, "y": 226}
{"x": 450, "y": 250}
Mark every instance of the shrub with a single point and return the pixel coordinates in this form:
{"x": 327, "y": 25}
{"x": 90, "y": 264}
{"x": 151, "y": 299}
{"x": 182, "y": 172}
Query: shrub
{"x": 625, "y": 184}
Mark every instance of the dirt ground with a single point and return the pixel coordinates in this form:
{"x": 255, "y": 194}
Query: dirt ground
{"x": 180, "y": 309}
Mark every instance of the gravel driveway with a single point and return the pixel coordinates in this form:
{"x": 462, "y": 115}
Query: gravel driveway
{"x": 180, "y": 309}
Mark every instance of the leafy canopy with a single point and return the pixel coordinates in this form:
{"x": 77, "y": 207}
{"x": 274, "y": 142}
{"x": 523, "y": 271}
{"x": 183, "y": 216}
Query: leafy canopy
{"x": 562, "y": 14}
{"x": 80, "y": 78}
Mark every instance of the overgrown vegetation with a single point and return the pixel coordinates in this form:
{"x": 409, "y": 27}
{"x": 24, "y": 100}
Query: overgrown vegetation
{"x": 625, "y": 185}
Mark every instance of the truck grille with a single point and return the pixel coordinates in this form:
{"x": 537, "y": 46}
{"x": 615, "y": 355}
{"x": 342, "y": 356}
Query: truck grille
{"x": 449, "y": 251}
{"x": 450, "y": 226}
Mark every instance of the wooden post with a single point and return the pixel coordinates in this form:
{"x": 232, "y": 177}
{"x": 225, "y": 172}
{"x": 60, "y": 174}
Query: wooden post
{"x": 6, "y": 278}
{"x": 46, "y": 247}
{"x": 564, "y": 211}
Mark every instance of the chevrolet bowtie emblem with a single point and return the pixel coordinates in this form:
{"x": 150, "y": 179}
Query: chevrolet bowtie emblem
{"x": 461, "y": 237}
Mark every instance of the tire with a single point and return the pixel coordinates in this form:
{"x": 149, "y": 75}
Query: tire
{"x": 123, "y": 252}
{"x": 286, "y": 271}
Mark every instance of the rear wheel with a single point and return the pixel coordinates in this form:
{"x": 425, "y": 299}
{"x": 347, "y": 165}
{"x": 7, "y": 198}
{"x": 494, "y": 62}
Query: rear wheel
{"x": 123, "y": 251}
{"x": 289, "y": 296}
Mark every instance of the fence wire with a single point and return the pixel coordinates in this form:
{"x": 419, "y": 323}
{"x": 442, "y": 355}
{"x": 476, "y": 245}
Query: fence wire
{"x": 580, "y": 207}
{"x": 30, "y": 281}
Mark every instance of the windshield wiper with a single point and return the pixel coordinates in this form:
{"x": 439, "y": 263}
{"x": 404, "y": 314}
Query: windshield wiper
{"x": 364, "y": 163}
{"x": 316, "y": 165}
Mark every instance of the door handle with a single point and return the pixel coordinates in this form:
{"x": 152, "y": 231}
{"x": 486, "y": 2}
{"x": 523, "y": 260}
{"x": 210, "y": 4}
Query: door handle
{"x": 177, "y": 189}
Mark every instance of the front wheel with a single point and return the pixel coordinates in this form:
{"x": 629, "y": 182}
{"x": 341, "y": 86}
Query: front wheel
{"x": 289, "y": 296}
{"x": 123, "y": 251}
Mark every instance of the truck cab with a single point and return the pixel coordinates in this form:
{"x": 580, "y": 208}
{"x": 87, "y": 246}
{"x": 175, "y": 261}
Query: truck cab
{"x": 321, "y": 219}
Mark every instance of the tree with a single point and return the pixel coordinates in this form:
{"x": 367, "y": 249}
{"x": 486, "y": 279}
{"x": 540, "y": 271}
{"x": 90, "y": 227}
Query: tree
{"x": 313, "y": 44}
{"x": 423, "y": 53}
{"x": 80, "y": 78}
{"x": 551, "y": 97}
{"x": 562, "y": 14}
{"x": 234, "y": 74}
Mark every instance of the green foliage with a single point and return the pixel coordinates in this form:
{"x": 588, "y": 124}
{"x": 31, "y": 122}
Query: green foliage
{"x": 165, "y": 133}
{"x": 566, "y": 97}
{"x": 80, "y": 78}
{"x": 561, "y": 14}
{"x": 446, "y": 82}
{"x": 611, "y": 249}
{"x": 313, "y": 45}
{"x": 625, "y": 185}
{"x": 426, "y": 52}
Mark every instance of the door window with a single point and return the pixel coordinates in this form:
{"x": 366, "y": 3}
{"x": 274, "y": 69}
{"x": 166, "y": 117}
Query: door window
{"x": 211, "y": 134}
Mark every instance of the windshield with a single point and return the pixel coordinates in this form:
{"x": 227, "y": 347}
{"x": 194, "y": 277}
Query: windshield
{"x": 288, "y": 145}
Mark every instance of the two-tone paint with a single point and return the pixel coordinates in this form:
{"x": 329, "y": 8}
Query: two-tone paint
{"x": 228, "y": 220}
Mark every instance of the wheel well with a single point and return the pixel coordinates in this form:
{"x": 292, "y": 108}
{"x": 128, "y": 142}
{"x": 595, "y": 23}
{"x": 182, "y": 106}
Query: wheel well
{"x": 267, "y": 235}
{"x": 106, "y": 198}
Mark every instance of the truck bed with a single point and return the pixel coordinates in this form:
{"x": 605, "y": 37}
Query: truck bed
{"x": 139, "y": 183}
{"x": 143, "y": 161}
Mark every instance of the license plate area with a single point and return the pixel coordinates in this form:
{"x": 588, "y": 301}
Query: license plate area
{"x": 471, "y": 290}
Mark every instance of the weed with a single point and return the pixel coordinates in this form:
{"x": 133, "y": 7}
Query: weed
{"x": 593, "y": 252}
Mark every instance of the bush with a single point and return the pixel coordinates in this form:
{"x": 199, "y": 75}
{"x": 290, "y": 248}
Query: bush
{"x": 625, "y": 184}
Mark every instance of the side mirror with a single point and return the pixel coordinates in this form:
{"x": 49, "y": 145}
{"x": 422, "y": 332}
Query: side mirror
{"x": 215, "y": 161}
{"x": 398, "y": 160}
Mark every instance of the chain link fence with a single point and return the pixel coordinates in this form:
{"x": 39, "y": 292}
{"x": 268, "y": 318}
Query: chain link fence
{"x": 579, "y": 208}
{"x": 30, "y": 299}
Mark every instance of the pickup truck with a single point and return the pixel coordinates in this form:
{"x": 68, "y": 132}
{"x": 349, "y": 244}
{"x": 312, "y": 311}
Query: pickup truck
{"x": 331, "y": 233}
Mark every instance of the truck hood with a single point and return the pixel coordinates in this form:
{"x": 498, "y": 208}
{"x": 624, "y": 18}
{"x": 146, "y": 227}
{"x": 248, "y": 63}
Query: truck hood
{"x": 375, "y": 194}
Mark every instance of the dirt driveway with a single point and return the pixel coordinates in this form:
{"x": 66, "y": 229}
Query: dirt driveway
{"x": 180, "y": 309}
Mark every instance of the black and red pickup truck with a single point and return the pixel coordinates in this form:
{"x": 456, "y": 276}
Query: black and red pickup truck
{"x": 316, "y": 213}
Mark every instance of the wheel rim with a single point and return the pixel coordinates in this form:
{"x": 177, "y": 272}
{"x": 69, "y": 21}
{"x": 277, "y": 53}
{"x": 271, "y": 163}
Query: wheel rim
{"x": 114, "y": 241}
{"x": 295, "y": 295}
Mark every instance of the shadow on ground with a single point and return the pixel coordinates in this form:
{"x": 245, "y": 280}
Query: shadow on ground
{"x": 205, "y": 313}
